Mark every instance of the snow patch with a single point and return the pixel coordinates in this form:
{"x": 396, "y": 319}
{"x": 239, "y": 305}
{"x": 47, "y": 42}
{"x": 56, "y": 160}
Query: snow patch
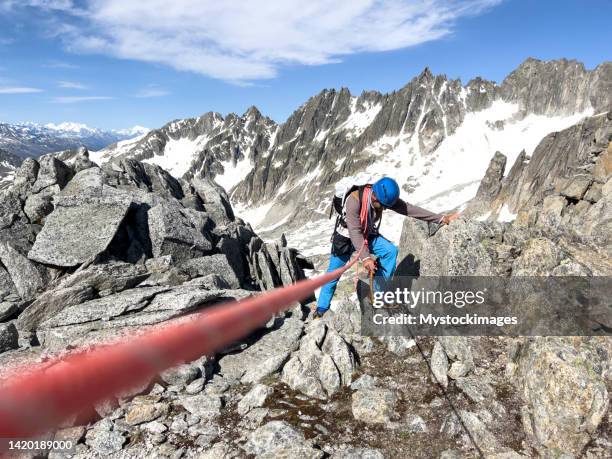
{"x": 310, "y": 176}
{"x": 253, "y": 215}
{"x": 453, "y": 198}
{"x": 272, "y": 141}
{"x": 267, "y": 229}
{"x": 133, "y": 131}
{"x": 321, "y": 135}
{"x": 339, "y": 162}
{"x": 9, "y": 177}
{"x": 505, "y": 215}
{"x": 452, "y": 172}
{"x": 233, "y": 174}
{"x": 177, "y": 155}
{"x": 120, "y": 148}
{"x": 358, "y": 120}
{"x": 484, "y": 217}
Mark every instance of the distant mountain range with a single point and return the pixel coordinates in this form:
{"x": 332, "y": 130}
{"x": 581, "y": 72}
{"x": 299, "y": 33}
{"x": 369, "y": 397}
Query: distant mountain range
{"x": 30, "y": 139}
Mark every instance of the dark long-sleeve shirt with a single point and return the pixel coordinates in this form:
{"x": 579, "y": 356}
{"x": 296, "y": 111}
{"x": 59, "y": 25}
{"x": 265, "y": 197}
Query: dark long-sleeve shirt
{"x": 353, "y": 223}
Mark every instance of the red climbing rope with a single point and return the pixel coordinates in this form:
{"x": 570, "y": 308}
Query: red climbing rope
{"x": 364, "y": 213}
{"x": 39, "y": 398}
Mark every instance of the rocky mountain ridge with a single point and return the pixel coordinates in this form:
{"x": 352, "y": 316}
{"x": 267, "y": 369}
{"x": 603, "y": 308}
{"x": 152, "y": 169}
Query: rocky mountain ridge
{"x": 561, "y": 187}
{"x": 66, "y": 227}
{"x": 561, "y": 384}
{"x": 422, "y": 113}
{"x": 335, "y": 134}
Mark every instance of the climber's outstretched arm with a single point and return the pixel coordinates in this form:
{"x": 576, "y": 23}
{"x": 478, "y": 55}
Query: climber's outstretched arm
{"x": 403, "y": 208}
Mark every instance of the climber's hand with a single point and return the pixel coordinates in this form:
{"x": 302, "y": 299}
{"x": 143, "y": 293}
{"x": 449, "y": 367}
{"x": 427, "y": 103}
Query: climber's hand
{"x": 369, "y": 265}
{"x": 447, "y": 219}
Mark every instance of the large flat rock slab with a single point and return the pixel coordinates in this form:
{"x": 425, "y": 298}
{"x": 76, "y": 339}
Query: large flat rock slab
{"x": 79, "y": 229}
{"x": 116, "y": 315}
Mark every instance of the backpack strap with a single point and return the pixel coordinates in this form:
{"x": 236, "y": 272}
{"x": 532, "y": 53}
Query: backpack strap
{"x": 338, "y": 218}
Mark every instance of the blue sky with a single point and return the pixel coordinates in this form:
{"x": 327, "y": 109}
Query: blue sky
{"x": 117, "y": 63}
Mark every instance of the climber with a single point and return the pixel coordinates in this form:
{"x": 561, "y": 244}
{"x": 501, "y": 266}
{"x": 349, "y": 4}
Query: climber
{"x": 360, "y": 212}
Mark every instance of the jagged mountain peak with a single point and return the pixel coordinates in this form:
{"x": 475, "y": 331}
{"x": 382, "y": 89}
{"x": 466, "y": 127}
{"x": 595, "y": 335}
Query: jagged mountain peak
{"x": 425, "y": 75}
{"x": 206, "y": 145}
{"x": 252, "y": 112}
{"x": 532, "y": 63}
{"x": 326, "y": 94}
{"x": 425, "y": 78}
{"x": 557, "y": 87}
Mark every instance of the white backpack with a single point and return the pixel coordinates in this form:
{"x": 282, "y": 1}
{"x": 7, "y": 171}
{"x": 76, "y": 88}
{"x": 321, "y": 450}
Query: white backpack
{"x": 346, "y": 186}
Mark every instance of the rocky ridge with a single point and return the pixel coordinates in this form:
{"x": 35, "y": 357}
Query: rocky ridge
{"x": 90, "y": 254}
{"x": 562, "y": 196}
{"x": 562, "y": 192}
{"x": 87, "y": 253}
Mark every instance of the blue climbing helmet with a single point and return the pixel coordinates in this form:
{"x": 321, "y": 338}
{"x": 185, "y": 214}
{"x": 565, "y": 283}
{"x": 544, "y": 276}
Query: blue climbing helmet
{"x": 387, "y": 191}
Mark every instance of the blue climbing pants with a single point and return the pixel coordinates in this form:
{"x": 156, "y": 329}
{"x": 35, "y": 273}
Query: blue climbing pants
{"x": 387, "y": 256}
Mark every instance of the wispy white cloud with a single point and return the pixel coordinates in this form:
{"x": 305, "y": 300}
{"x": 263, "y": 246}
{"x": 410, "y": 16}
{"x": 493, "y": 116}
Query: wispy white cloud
{"x": 53, "y": 64}
{"x": 19, "y": 90}
{"x": 243, "y": 41}
{"x": 78, "y": 99}
{"x": 151, "y": 91}
{"x": 71, "y": 85}
{"x": 60, "y": 5}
